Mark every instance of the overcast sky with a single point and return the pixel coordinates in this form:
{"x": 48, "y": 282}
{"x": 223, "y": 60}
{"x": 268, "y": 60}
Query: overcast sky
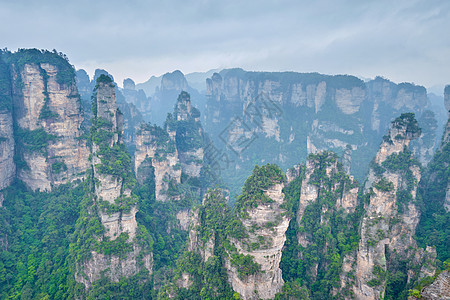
{"x": 400, "y": 40}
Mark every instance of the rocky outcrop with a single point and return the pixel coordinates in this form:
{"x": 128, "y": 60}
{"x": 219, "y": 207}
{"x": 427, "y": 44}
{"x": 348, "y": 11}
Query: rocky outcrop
{"x": 176, "y": 150}
{"x": 257, "y": 115}
{"x": 189, "y": 136}
{"x": 327, "y": 193}
{"x": 48, "y": 115}
{"x": 7, "y": 144}
{"x": 171, "y": 85}
{"x": 265, "y": 225}
{"x": 112, "y": 267}
{"x": 114, "y": 201}
{"x": 439, "y": 289}
{"x": 388, "y": 226}
{"x": 128, "y": 101}
{"x": 446, "y": 138}
{"x": 7, "y": 165}
{"x": 156, "y": 149}
{"x": 446, "y": 141}
{"x": 424, "y": 147}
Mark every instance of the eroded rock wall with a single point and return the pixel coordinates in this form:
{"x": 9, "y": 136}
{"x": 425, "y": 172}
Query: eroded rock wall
{"x": 7, "y": 143}
{"x": 50, "y": 111}
{"x": 115, "y": 204}
{"x": 388, "y": 226}
{"x": 266, "y": 224}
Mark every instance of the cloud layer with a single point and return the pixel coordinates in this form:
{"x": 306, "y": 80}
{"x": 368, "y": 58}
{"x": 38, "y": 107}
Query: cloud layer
{"x": 400, "y": 40}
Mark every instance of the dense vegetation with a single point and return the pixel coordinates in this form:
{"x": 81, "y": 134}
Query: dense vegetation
{"x": 330, "y": 231}
{"x": 433, "y": 228}
{"x": 253, "y": 191}
{"x": 36, "y": 232}
{"x": 46, "y": 236}
{"x": 208, "y": 278}
{"x": 66, "y": 72}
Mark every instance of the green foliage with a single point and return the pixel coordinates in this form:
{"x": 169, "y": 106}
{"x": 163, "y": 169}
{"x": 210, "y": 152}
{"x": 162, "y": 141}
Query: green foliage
{"x": 414, "y": 293}
{"x": 38, "y": 229}
{"x": 134, "y": 287}
{"x": 66, "y": 72}
{"x": 401, "y": 163}
{"x": 115, "y": 159}
{"x": 188, "y": 137}
{"x": 118, "y": 247}
{"x": 156, "y": 217}
{"x": 160, "y": 139}
{"x": 409, "y": 122}
{"x": 209, "y": 278}
{"x": 46, "y": 113}
{"x": 384, "y": 185}
{"x": 253, "y": 191}
{"x": 59, "y": 167}
{"x": 35, "y": 140}
{"x": 293, "y": 290}
{"x": 245, "y": 265}
{"x": 5, "y": 86}
{"x": 31, "y": 140}
{"x": 104, "y": 79}
{"x": 328, "y": 241}
{"x": 433, "y": 226}
{"x": 380, "y": 276}
{"x": 377, "y": 169}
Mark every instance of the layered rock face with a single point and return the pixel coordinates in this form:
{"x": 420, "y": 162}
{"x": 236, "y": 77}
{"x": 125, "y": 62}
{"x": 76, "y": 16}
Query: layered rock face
{"x": 48, "y": 115}
{"x": 391, "y": 216}
{"x": 296, "y": 114}
{"x": 446, "y": 141}
{"x": 189, "y": 136}
{"x": 265, "y": 225}
{"x": 116, "y": 205}
{"x": 156, "y": 149}
{"x": 327, "y": 202}
{"x": 439, "y": 289}
{"x": 176, "y": 150}
{"x": 7, "y": 165}
{"x": 126, "y": 101}
{"x": 335, "y": 181}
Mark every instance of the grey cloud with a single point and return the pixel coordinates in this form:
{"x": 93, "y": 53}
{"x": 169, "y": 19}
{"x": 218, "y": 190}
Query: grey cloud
{"x": 402, "y": 40}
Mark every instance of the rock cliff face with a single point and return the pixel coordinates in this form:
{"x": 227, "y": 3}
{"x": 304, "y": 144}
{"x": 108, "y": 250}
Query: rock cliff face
{"x": 343, "y": 187}
{"x": 175, "y": 152}
{"x": 446, "y": 141}
{"x": 113, "y": 199}
{"x": 391, "y": 216}
{"x": 7, "y": 165}
{"x": 130, "y": 102}
{"x": 47, "y": 113}
{"x": 156, "y": 149}
{"x": 265, "y": 225}
{"x": 446, "y": 138}
{"x": 439, "y": 289}
{"x": 126, "y": 99}
{"x": 327, "y": 201}
{"x": 297, "y": 114}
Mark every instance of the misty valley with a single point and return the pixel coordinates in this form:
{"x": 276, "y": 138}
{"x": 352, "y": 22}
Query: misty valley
{"x": 227, "y": 184}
